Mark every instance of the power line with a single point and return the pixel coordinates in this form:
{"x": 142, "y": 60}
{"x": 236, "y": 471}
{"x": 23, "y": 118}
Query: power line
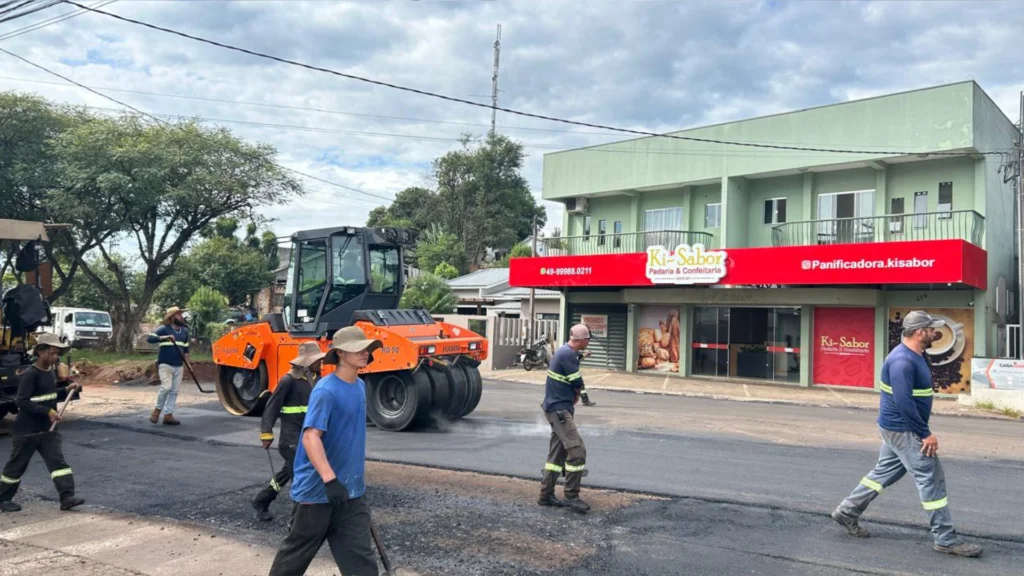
{"x": 54, "y": 20}
{"x": 510, "y": 110}
{"x": 161, "y": 121}
{"x": 9, "y": 13}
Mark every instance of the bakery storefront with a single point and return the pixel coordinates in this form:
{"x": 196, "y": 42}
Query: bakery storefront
{"x": 802, "y": 315}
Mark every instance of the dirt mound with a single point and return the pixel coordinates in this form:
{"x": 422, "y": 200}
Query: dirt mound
{"x": 133, "y": 371}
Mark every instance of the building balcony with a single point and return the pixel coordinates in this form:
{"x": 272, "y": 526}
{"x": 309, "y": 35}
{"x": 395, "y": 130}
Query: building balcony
{"x": 965, "y": 225}
{"x": 624, "y": 243}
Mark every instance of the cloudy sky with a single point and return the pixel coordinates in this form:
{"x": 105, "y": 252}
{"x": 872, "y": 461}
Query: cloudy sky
{"x": 654, "y": 65}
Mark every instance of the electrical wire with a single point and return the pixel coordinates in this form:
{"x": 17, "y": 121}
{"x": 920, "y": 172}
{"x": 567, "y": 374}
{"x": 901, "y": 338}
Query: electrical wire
{"x": 51, "y": 21}
{"x": 513, "y": 111}
{"x": 161, "y": 121}
{"x": 30, "y": 7}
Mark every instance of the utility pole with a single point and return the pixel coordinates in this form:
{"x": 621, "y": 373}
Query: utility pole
{"x": 494, "y": 80}
{"x": 1020, "y": 230}
{"x": 533, "y": 291}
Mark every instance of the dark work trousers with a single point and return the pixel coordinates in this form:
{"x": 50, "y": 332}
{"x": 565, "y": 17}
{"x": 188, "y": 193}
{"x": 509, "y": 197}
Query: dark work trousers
{"x": 48, "y": 444}
{"x": 566, "y": 454}
{"x": 345, "y": 528}
{"x": 282, "y": 478}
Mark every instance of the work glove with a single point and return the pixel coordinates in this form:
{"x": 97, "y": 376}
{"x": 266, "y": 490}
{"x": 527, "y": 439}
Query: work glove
{"x": 337, "y": 494}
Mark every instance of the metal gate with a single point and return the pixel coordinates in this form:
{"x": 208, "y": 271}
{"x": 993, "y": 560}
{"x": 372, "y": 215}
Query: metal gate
{"x": 605, "y": 352}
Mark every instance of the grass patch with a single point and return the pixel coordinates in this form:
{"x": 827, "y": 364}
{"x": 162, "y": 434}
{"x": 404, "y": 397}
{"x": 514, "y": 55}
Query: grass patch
{"x": 991, "y": 406}
{"x": 101, "y": 357}
{"x": 985, "y": 405}
{"x": 1010, "y": 412}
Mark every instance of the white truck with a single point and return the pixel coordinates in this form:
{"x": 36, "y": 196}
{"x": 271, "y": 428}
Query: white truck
{"x": 81, "y": 327}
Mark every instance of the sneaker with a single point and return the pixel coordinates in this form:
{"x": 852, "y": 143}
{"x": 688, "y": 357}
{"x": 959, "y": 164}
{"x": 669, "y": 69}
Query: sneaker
{"x": 577, "y": 505}
{"x": 69, "y": 503}
{"x": 550, "y": 501}
{"x": 851, "y": 524}
{"x": 170, "y": 420}
{"x": 962, "y": 549}
{"x": 8, "y": 506}
{"x": 589, "y": 402}
{"x": 155, "y": 416}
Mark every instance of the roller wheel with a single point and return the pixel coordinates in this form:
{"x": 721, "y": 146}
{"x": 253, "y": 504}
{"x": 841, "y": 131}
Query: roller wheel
{"x": 476, "y": 388}
{"x": 395, "y": 401}
{"x": 241, "y": 390}
{"x": 3, "y": 412}
{"x": 440, "y": 391}
{"x": 460, "y": 392}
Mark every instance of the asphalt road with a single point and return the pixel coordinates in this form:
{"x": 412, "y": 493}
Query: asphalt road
{"x": 736, "y": 505}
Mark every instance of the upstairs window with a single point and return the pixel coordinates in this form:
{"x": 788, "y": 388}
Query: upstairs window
{"x": 601, "y": 229}
{"x": 775, "y": 211}
{"x": 896, "y": 222}
{"x": 945, "y": 200}
{"x": 586, "y": 226}
{"x": 713, "y": 215}
{"x": 920, "y": 209}
{"x": 663, "y": 219}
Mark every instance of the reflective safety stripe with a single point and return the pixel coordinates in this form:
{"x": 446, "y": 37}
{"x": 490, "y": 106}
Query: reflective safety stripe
{"x": 61, "y": 472}
{"x": 182, "y": 344}
{"x": 571, "y": 468}
{"x": 293, "y": 409}
{"x": 267, "y": 436}
{"x": 43, "y": 398}
{"x": 918, "y": 392}
{"x": 9, "y": 480}
{"x": 275, "y": 485}
{"x": 871, "y": 484}
{"x": 574, "y": 376}
{"x": 552, "y": 467}
{"x": 154, "y": 335}
{"x": 935, "y": 505}
{"x": 556, "y": 376}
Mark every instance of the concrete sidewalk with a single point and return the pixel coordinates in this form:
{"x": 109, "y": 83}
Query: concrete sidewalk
{"x": 739, "y": 390}
{"x": 43, "y": 540}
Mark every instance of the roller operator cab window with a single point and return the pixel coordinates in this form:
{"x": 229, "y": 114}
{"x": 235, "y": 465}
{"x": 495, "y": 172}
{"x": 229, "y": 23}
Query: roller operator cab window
{"x": 384, "y": 269}
{"x": 310, "y": 280}
{"x": 348, "y": 270}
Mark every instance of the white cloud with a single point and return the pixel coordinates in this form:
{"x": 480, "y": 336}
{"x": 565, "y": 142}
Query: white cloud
{"x": 652, "y": 65}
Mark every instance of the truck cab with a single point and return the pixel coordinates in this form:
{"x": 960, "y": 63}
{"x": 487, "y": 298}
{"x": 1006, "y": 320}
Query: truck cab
{"x": 81, "y": 327}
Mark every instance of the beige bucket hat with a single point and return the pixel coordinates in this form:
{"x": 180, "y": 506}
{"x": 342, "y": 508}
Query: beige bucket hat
{"x": 47, "y": 339}
{"x": 172, "y": 311}
{"x": 309, "y": 354}
{"x": 351, "y": 339}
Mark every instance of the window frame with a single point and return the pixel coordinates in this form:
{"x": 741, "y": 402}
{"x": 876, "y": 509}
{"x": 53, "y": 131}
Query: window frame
{"x": 586, "y": 227}
{"x": 771, "y": 207}
{"x": 947, "y": 212}
{"x": 896, "y": 222}
{"x": 617, "y": 231}
{"x": 718, "y": 214}
{"x": 602, "y": 229}
{"x": 920, "y": 218}
{"x": 676, "y": 213}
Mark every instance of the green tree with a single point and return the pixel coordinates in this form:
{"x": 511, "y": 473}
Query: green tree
{"x": 234, "y": 269}
{"x": 437, "y": 246}
{"x": 158, "y": 186}
{"x": 485, "y": 200}
{"x": 430, "y": 292}
{"x": 85, "y": 294}
{"x": 415, "y": 208}
{"x": 446, "y": 271}
{"x": 180, "y": 285}
{"x": 206, "y": 307}
{"x": 518, "y": 251}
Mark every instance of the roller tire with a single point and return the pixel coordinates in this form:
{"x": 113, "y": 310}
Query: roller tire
{"x": 425, "y": 408}
{"x": 460, "y": 392}
{"x": 440, "y": 391}
{"x": 395, "y": 401}
{"x": 476, "y": 388}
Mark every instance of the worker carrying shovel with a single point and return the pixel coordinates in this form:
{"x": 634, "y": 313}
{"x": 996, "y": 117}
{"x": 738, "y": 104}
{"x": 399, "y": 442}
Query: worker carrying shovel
{"x": 33, "y": 432}
{"x": 567, "y": 453}
{"x": 170, "y": 363}
{"x": 289, "y": 402}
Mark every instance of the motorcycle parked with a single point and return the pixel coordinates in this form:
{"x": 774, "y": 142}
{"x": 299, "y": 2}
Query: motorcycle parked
{"x": 536, "y": 355}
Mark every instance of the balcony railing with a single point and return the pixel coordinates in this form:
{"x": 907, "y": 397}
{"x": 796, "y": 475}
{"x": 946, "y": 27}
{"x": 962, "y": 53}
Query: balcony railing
{"x": 965, "y": 225}
{"x": 625, "y": 243}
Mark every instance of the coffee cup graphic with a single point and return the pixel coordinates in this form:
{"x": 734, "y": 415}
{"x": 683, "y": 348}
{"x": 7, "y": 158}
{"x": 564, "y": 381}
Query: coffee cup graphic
{"x": 946, "y": 336}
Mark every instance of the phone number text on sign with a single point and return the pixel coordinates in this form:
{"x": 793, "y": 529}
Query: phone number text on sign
{"x": 570, "y": 271}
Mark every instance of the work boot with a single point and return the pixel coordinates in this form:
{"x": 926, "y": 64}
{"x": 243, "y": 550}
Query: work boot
{"x": 8, "y": 506}
{"x": 69, "y": 503}
{"x": 851, "y": 524}
{"x": 962, "y": 549}
{"x": 577, "y": 505}
{"x": 170, "y": 420}
{"x": 550, "y": 501}
{"x": 155, "y": 416}
{"x": 588, "y": 402}
{"x": 262, "y": 513}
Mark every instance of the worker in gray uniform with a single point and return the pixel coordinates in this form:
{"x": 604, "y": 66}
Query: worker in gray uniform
{"x": 567, "y": 454}
{"x": 289, "y": 402}
{"x": 907, "y": 442}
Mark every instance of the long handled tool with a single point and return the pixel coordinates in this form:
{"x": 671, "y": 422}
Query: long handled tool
{"x": 273, "y": 471}
{"x": 189, "y": 367}
{"x": 63, "y": 406}
{"x": 380, "y": 548}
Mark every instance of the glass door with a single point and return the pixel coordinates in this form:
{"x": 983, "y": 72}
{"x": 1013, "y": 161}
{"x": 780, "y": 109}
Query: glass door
{"x": 710, "y": 347}
{"x": 784, "y": 343}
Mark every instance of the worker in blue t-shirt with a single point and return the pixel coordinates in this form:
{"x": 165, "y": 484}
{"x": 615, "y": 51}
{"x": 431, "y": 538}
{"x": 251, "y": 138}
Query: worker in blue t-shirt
{"x": 328, "y": 482}
{"x": 907, "y": 442}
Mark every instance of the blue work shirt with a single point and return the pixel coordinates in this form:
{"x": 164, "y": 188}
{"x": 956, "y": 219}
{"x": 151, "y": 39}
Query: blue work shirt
{"x": 167, "y": 354}
{"x": 338, "y": 409}
{"x": 563, "y": 382}
{"x": 906, "y": 403}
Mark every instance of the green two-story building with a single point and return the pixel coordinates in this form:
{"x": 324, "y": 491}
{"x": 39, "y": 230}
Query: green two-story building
{"x": 786, "y": 248}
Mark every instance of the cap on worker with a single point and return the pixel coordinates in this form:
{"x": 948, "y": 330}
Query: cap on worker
{"x": 309, "y": 354}
{"x": 918, "y": 320}
{"x": 579, "y": 332}
{"x": 351, "y": 339}
{"x": 47, "y": 339}
{"x": 172, "y": 311}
